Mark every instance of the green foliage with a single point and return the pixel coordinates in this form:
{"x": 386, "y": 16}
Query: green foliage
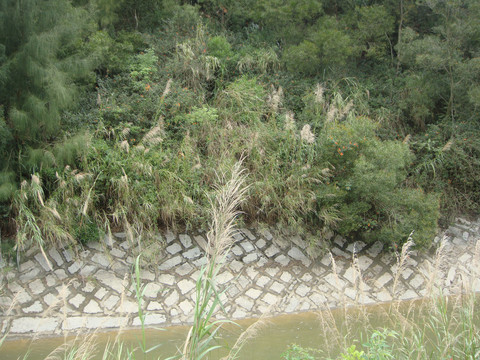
{"x": 296, "y": 352}
{"x": 87, "y": 232}
{"x": 242, "y": 101}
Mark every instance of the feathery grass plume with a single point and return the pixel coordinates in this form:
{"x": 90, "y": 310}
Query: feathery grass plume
{"x": 307, "y": 135}
{"x": 251, "y": 332}
{"x": 124, "y": 133}
{"x": 448, "y": 145}
{"x": 407, "y": 139}
{"x": 289, "y": 124}
{"x": 275, "y": 98}
{"x": 435, "y": 268}
{"x": 153, "y": 137}
{"x": 166, "y": 91}
{"x": 228, "y": 196}
{"x": 125, "y": 146}
{"x": 401, "y": 261}
{"x": 332, "y": 112}
{"x": 319, "y": 91}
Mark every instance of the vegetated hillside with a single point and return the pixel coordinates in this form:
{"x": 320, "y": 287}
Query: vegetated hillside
{"x": 354, "y": 118}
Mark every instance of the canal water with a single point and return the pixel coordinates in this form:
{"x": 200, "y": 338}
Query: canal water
{"x": 329, "y": 331}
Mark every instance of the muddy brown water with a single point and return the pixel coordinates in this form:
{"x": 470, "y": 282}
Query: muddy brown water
{"x": 325, "y": 330}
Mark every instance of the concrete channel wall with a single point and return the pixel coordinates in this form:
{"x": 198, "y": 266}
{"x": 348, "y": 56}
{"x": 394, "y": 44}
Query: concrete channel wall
{"x": 263, "y": 274}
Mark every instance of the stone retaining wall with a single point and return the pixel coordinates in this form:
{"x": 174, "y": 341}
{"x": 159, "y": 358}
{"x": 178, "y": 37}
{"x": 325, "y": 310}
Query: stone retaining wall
{"x": 265, "y": 274}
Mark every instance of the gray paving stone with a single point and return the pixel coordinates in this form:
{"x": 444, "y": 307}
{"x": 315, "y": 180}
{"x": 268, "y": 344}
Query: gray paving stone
{"x": 237, "y": 250}
{"x": 192, "y": 253}
{"x": 384, "y": 279}
{"x": 51, "y": 299}
{"x": 277, "y": 287}
{"x": 95, "y": 245}
{"x": 152, "y": 290}
{"x": 117, "y": 253}
{"x": 282, "y": 260}
{"x": 286, "y": 276}
{"x": 326, "y": 260}
{"x": 154, "y": 305}
{"x": 408, "y": 295}
{"x": 238, "y": 236}
{"x": 339, "y": 241}
{"x": 128, "y": 306}
{"x": 26, "y": 266}
{"x": 87, "y": 270}
{"x": 340, "y": 253}
{"x": 364, "y": 262}
{"x": 89, "y": 287}
{"x": 51, "y": 280}
{"x": 318, "y": 299}
{"x": 170, "y": 263}
{"x": 105, "y": 322}
{"x": 200, "y": 262}
{"x": 185, "y": 286}
{"x": 239, "y": 314}
{"x": 292, "y": 305}
{"x": 253, "y": 293}
{"x": 235, "y": 265}
{"x": 351, "y": 275}
{"x": 272, "y": 250}
{"x": 92, "y": 308}
{"x": 186, "y": 306}
{"x": 243, "y": 282}
{"x": 281, "y": 242}
{"x": 307, "y": 277}
{"x": 109, "y": 279}
{"x": 302, "y": 290}
{"x": 44, "y": 263}
{"x": 417, "y": 281}
{"x": 224, "y": 277}
{"x": 61, "y": 274}
{"x": 101, "y": 260}
{"x": 335, "y": 281}
{"x": 166, "y": 279}
{"x": 262, "y": 281}
{"x": 185, "y": 240}
{"x": 383, "y": 296}
{"x": 297, "y": 254}
{"x": 147, "y": 275}
{"x": 125, "y": 245}
{"x": 172, "y": 299}
{"x": 77, "y": 300}
{"x": 266, "y": 234}
{"x": 260, "y": 243}
{"x": 184, "y": 269}
{"x": 108, "y": 240}
{"x": 68, "y": 254}
{"x": 406, "y": 273}
{"x": 247, "y": 246}
{"x": 151, "y": 319}
{"x": 100, "y": 294}
{"x": 248, "y": 233}
{"x": 36, "y": 287}
{"x": 30, "y": 275}
{"x": 271, "y": 299}
{"x": 174, "y": 248}
{"x": 250, "y": 258}
{"x": 244, "y": 302}
{"x": 111, "y": 302}
{"x": 77, "y": 265}
{"x": 36, "y": 307}
{"x": 31, "y": 324}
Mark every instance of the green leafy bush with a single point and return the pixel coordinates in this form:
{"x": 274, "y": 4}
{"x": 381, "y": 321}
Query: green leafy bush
{"x": 242, "y": 101}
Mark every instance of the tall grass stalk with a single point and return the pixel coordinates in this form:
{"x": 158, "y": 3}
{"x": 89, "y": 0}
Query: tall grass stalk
{"x": 201, "y": 339}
